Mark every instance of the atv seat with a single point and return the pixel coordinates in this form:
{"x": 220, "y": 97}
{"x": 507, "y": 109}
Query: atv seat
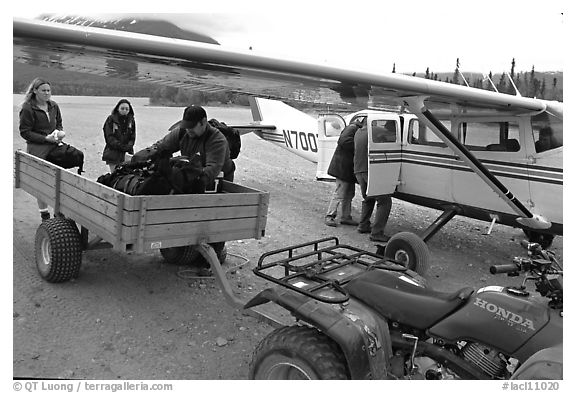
{"x": 406, "y": 303}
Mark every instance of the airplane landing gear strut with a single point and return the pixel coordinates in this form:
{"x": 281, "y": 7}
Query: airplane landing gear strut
{"x": 446, "y": 216}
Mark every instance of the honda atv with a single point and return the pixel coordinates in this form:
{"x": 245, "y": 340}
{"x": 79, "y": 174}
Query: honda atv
{"x": 363, "y": 316}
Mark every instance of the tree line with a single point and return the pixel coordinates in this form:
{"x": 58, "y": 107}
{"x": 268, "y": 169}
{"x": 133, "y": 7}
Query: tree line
{"x": 535, "y": 84}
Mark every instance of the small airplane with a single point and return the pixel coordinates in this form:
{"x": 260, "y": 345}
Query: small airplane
{"x": 465, "y": 151}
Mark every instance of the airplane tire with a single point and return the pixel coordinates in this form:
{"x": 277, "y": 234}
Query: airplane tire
{"x": 58, "y": 250}
{"x": 410, "y": 251}
{"x": 544, "y": 239}
{"x": 298, "y": 352}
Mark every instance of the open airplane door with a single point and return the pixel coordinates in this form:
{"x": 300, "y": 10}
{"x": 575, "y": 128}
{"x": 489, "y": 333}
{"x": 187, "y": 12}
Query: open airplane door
{"x": 384, "y": 153}
{"x": 329, "y": 129}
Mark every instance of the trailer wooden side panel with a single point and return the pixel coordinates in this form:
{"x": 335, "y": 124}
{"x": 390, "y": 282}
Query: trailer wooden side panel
{"x": 144, "y": 223}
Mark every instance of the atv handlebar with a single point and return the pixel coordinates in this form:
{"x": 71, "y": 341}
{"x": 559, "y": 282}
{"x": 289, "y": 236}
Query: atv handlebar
{"x": 509, "y": 268}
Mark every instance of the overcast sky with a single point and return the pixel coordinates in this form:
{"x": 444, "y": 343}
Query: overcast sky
{"x": 485, "y": 34}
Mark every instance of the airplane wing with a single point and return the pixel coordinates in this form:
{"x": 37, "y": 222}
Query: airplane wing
{"x": 209, "y": 67}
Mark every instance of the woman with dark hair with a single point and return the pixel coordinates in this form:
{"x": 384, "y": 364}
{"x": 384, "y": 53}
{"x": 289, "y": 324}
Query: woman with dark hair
{"x": 40, "y": 125}
{"x": 119, "y": 134}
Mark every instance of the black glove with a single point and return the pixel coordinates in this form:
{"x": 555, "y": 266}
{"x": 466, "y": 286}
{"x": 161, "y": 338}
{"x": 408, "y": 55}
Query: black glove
{"x": 204, "y": 179}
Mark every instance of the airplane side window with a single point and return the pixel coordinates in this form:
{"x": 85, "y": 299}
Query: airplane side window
{"x": 490, "y": 136}
{"x": 548, "y": 132}
{"x": 420, "y": 134}
{"x": 332, "y": 128}
{"x": 383, "y": 131}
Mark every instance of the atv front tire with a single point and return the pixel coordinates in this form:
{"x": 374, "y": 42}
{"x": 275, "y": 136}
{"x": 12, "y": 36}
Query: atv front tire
{"x": 58, "y": 250}
{"x": 298, "y": 352}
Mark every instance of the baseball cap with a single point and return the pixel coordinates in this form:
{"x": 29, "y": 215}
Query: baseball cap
{"x": 192, "y": 115}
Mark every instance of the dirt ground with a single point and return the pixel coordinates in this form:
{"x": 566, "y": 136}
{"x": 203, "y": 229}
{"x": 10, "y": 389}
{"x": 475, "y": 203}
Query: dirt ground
{"x": 135, "y": 317}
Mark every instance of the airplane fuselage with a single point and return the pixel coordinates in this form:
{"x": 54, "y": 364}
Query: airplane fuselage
{"x": 411, "y": 163}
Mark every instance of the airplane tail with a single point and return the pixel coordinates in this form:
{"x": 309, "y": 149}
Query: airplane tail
{"x": 269, "y": 116}
{"x": 266, "y": 111}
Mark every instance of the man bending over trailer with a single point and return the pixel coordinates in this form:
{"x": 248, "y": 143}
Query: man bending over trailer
{"x": 196, "y": 136}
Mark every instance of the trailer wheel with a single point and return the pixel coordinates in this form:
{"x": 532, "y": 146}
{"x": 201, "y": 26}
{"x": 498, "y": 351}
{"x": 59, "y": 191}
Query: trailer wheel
{"x": 298, "y": 352}
{"x": 186, "y": 255}
{"x": 409, "y": 250}
{"x": 58, "y": 250}
{"x": 179, "y": 255}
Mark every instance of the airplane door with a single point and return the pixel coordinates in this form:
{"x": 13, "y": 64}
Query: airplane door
{"x": 384, "y": 153}
{"x": 329, "y": 129}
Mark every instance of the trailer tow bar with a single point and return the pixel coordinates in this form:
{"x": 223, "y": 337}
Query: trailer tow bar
{"x": 210, "y": 255}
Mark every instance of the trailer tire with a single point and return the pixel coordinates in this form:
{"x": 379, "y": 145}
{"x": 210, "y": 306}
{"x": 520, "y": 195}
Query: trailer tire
{"x": 58, "y": 250}
{"x": 410, "y": 251}
{"x": 298, "y": 352}
{"x": 187, "y": 255}
{"x": 179, "y": 255}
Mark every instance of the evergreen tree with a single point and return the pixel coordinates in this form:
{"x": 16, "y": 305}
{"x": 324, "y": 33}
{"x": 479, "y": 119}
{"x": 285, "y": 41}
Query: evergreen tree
{"x": 543, "y": 89}
{"x": 511, "y": 89}
{"x": 501, "y": 86}
{"x": 533, "y": 83}
{"x": 455, "y": 76}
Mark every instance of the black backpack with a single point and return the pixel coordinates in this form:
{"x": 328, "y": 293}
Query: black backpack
{"x": 160, "y": 175}
{"x": 66, "y": 156}
{"x": 232, "y": 136}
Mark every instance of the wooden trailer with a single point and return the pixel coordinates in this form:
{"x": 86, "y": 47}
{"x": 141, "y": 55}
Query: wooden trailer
{"x": 133, "y": 224}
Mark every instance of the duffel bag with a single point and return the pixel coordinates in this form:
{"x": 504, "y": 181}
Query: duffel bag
{"x": 66, "y": 156}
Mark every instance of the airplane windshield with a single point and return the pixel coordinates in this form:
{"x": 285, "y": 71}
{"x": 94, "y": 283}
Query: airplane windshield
{"x": 547, "y": 131}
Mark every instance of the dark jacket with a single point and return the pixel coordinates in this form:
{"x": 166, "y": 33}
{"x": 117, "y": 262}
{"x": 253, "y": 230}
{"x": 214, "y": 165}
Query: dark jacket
{"x": 212, "y": 146}
{"x": 120, "y": 135}
{"x": 361, "y": 151}
{"x": 35, "y": 125}
{"x": 342, "y": 163}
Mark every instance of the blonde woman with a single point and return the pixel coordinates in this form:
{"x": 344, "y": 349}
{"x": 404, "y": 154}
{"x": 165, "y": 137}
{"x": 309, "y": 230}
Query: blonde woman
{"x": 39, "y": 118}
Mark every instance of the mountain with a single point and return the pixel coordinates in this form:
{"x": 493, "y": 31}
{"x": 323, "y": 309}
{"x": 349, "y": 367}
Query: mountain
{"x": 75, "y": 83}
{"x": 144, "y": 26}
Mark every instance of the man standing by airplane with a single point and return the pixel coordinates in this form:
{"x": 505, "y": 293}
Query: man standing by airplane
{"x": 342, "y": 169}
{"x": 383, "y": 202}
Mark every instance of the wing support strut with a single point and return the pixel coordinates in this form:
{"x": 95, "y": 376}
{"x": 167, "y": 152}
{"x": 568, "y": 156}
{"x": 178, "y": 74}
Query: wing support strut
{"x": 417, "y": 106}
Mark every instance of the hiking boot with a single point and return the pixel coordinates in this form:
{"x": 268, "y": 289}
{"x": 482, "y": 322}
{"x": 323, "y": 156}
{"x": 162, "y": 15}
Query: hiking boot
{"x": 348, "y": 221}
{"x": 45, "y": 216}
{"x": 330, "y": 221}
{"x": 363, "y": 229}
{"x": 379, "y": 237}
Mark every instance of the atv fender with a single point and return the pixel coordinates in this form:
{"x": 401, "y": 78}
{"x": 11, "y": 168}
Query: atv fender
{"x": 363, "y": 339}
{"x": 545, "y": 364}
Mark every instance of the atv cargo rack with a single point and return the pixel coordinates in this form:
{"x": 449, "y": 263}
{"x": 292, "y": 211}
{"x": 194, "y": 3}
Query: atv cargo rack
{"x": 319, "y": 269}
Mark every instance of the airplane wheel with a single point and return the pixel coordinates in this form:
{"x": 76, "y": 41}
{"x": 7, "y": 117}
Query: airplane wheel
{"x": 544, "y": 239}
{"x": 409, "y": 250}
